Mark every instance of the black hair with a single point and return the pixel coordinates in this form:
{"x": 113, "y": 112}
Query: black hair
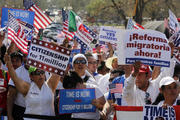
{"x": 2, "y": 51}
{"x": 71, "y": 79}
{"x": 120, "y": 72}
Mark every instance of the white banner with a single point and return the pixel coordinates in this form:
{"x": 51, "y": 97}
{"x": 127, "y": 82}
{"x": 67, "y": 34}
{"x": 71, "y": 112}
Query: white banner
{"x": 154, "y": 112}
{"x": 149, "y": 46}
{"x": 48, "y": 56}
{"x": 109, "y": 34}
{"x": 173, "y": 23}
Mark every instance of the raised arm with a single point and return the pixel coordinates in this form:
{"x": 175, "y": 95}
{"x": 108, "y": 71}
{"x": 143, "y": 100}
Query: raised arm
{"x": 21, "y": 85}
{"x": 128, "y": 91}
{"x": 53, "y": 81}
{"x": 156, "y": 71}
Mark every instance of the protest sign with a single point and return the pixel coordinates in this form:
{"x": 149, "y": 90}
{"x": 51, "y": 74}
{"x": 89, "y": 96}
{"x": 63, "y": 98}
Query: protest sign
{"x": 108, "y": 34}
{"x": 84, "y": 35}
{"x": 23, "y": 15}
{"x": 76, "y": 100}
{"x": 48, "y": 56}
{"x": 175, "y": 39}
{"x": 173, "y": 23}
{"x": 153, "y": 112}
{"x": 146, "y": 113}
{"x": 128, "y": 113}
{"x": 148, "y": 46}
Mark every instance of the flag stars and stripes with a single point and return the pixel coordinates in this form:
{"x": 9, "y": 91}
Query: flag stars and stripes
{"x": 34, "y": 41}
{"x": 62, "y": 50}
{"x": 29, "y": 62}
{"x": 68, "y": 52}
{"x": 46, "y": 44}
{"x": 55, "y": 71}
{"x": 61, "y": 73}
{"x": 35, "y": 64}
{"x": 51, "y": 46}
{"x": 41, "y": 20}
{"x": 57, "y": 48}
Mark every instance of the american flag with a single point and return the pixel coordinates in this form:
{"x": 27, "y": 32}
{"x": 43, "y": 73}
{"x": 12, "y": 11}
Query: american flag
{"x": 93, "y": 34}
{"x": 41, "y": 20}
{"x": 68, "y": 34}
{"x": 116, "y": 88}
{"x": 133, "y": 25}
{"x": 17, "y": 32}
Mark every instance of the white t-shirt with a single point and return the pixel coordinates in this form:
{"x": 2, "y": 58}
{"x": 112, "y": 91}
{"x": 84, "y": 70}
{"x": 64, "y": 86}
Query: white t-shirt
{"x": 135, "y": 97}
{"x": 90, "y": 115}
{"x": 103, "y": 83}
{"x": 39, "y": 101}
{"x": 23, "y": 74}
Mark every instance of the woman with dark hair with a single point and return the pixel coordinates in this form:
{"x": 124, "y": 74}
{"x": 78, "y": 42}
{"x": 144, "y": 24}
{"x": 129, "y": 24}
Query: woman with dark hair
{"x": 39, "y": 94}
{"x": 74, "y": 81}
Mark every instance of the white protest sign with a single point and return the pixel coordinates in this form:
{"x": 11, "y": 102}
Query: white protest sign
{"x": 109, "y": 34}
{"x": 154, "y": 112}
{"x": 173, "y": 23}
{"x": 84, "y": 34}
{"x": 48, "y": 56}
{"x": 149, "y": 46}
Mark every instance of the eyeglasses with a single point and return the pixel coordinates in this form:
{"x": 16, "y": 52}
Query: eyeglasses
{"x": 80, "y": 61}
{"x": 92, "y": 62}
{"x": 37, "y": 72}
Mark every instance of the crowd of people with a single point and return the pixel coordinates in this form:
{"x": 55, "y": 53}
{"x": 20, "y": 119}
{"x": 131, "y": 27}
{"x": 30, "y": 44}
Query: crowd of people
{"x": 26, "y": 91}
{"x": 31, "y": 91}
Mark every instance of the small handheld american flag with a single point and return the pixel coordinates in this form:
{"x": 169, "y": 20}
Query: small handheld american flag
{"x": 41, "y": 20}
{"x": 18, "y": 32}
{"x": 133, "y": 25}
{"x": 68, "y": 34}
{"x": 116, "y": 88}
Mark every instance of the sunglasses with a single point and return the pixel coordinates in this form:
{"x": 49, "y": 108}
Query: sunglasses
{"x": 80, "y": 61}
{"x": 37, "y": 72}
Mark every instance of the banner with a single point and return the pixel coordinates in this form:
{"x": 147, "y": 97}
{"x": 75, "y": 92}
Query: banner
{"x": 173, "y": 23}
{"x": 23, "y": 15}
{"x": 148, "y": 46}
{"x": 109, "y": 34}
{"x": 153, "y": 112}
{"x": 84, "y": 35}
{"x": 76, "y": 100}
{"x": 175, "y": 39}
{"x": 48, "y": 56}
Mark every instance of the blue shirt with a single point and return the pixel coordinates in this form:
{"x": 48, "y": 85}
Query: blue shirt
{"x": 117, "y": 97}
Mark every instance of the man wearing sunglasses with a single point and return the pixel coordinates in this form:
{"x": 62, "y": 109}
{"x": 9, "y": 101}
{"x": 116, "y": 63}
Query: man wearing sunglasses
{"x": 92, "y": 66}
{"x": 80, "y": 64}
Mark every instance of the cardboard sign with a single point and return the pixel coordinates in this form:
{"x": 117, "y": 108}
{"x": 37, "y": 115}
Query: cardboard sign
{"x": 173, "y": 23}
{"x": 150, "y": 113}
{"x": 84, "y": 35}
{"x": 109, "y": 34}
{"x": 76, "y": 100}
{"x": 158, "y": 113}
{"x": 148, "y": 46}
{"x": 48, "y": 56}
{"x": 23, "y": 15}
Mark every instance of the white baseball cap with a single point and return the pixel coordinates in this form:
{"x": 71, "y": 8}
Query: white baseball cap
{"x": 166, "y": 81}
